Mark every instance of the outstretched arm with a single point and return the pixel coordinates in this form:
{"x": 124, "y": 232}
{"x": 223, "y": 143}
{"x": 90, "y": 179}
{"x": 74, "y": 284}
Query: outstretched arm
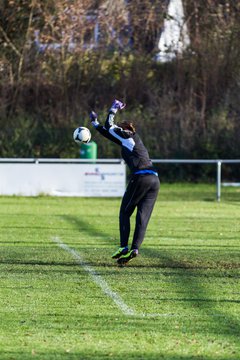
{"x": 116, "y": 105}
{"x": 119, "y": 133}
{"x": 110, "y": 130}
{"x": 101, "y": 129}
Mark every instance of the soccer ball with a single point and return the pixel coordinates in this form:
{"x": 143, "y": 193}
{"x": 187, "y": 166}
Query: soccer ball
{"x": 81, "y": 135}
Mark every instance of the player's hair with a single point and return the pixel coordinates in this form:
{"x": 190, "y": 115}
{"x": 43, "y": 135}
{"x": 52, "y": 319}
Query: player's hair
{"x": 127, "y": 125}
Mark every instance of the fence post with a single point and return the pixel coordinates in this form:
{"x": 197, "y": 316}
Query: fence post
{"x": 219, "y": 163}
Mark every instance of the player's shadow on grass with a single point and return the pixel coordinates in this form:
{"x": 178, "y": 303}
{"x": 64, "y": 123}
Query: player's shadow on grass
{"x": 89, "y": 229}
{"x": 91, "y": 354}
{"x": 188, "y": 281}
{"x": 207, "y": 199}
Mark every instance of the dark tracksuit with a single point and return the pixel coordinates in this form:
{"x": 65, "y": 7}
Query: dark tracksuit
{"x": 143, "y": 186}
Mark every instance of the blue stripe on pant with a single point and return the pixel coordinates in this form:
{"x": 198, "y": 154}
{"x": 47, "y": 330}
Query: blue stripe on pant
{"x": 141, "y": 193}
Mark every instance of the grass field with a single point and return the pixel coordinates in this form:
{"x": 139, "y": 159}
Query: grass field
{"x": 63, "y": 297}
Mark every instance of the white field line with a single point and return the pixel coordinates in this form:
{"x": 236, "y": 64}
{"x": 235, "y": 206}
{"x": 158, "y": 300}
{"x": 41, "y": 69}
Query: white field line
{"x": 112, "y": 294}
{"x": 96, "y": 278}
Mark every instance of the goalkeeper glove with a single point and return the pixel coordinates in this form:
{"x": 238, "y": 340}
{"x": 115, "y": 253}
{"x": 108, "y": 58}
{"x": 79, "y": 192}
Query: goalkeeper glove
{"x": 93, "y": 119}
{"x": 117, "y": 105}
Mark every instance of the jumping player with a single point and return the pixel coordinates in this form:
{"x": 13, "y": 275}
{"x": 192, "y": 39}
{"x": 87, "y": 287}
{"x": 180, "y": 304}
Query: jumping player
{"x": 143, "y": 186}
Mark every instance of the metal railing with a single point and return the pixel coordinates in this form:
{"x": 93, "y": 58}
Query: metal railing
{"x": 58, "y": 161}
{"x": 218, "y": 163}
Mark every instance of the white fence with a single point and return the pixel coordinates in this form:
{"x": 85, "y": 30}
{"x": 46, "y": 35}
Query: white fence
{"x": 64, "y": 177}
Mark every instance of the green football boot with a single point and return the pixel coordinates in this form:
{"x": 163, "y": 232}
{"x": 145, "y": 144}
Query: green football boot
{"x": 121, "y": 251}
{"x": 125, "y": 258}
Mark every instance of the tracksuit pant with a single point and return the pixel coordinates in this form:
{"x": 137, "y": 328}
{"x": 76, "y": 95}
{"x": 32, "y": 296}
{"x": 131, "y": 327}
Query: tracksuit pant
{"x": 141, "y": 193}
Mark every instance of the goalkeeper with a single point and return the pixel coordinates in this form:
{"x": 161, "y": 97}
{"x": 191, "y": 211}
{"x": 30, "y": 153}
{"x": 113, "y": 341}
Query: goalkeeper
{"x": 143, "y": 186}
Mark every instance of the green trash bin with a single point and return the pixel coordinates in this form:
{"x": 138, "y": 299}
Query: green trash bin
{"x": 88, "y": 151}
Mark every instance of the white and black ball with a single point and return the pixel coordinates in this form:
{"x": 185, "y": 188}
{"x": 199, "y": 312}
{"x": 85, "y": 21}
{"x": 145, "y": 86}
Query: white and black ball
{"x": 81, "y": 135}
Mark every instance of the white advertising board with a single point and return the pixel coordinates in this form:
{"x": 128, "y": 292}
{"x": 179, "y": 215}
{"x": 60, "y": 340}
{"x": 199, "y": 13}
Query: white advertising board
{"x": 86, "y": 180}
